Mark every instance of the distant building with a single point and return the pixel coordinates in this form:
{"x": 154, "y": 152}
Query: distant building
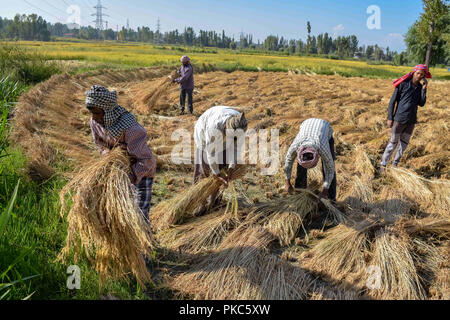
{"x": 69, "y": 35}
{"x": 358, "y": 55}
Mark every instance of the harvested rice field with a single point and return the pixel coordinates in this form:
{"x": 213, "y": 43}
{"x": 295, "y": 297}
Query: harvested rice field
{"x": 388, "y": 237}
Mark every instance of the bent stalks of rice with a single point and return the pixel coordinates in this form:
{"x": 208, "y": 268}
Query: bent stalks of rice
{"x": 105, "y": 222}
{"x": 184, "y": 205}
{"x": 429, "y": 225}
{"x": 399, "y": 277}
{"x": 412, "y": 185}
{"x": 151, "y": 99}
{"x": 341, "y": 255}
{"x": 204, "y": 233}
{"x": 283, "y": 218}
{"x": 243, "y": 268}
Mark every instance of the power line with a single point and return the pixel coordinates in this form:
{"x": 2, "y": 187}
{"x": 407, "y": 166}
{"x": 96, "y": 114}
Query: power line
{"x": 99, "y": 15}
{"x": 86, "y": 5}
{"x": 83, "y": 18}
{"x": 54, "y": 7}
{"x": 65, "y": 12}
{"x": 51, "y": 14}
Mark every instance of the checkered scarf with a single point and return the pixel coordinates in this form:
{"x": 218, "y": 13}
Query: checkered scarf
{"x": 307, "y": 164}
{"x": 117, "y": 119}
{"x": 409, "y": 75}
{"x": 185, "y": 59}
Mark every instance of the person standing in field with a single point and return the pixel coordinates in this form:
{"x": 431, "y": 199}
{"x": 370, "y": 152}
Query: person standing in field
{"x": 113, "y": 126}
{"x": 402, "y": 112}
{"x": 314, "y": 140}
{"x": 214, "y": 122}
{"x": 186, "y": 81}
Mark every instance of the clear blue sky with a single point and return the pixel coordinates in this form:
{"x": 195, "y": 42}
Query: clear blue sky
{"x": 258, "y": 17}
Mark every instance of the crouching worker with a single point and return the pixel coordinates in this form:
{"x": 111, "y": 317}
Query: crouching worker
{"x": 314, "y": 140}
{"x": 216, "y": 120}
{"x": 113, "y": 126}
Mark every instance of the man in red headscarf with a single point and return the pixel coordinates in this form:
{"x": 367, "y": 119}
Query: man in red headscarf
{"x": 314, "y": 140}
{"x": 402, "y": 111}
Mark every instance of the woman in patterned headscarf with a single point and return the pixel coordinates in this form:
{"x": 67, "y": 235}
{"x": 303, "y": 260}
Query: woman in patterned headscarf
{"x": 112, "y": 126}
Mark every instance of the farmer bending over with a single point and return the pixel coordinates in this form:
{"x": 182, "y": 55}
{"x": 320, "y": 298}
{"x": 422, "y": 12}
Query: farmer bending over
{"x": 314, "y": 139}
{"x": 214, "y": 120}
{"x": 112, "y": 126}
{"x": 408, "y": 95}
{"x": 186, "y": 82}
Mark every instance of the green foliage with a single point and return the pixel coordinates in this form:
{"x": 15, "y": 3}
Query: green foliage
{"x": 25, "y": 66}
{"x": 400, "y": 59}
{"x": 26, "y": 27}
{"x": 36, "y": 233}
{"x": 3, "y": 130}
{"x": 10, "y": 89}
{"x": 419, "y": 35}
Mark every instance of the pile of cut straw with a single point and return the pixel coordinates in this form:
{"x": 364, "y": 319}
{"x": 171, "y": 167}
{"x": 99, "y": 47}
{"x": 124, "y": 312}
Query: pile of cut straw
{"x": 105, "y": 222}
{"x": 185, "y": 205}
{"x": 243, "y": 268}
{"x": 203, "y": 233}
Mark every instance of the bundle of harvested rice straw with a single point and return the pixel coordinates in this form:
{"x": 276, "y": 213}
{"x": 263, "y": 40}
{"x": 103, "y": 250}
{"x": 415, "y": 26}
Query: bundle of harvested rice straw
{"x": 184, "y": 205}
{"x": 105, "y": 222}
{"x": 205, "y": 232}
{"x": 407, "y": 263}
{"x": 243, "y": 268}
{"x": 162, "y": 87}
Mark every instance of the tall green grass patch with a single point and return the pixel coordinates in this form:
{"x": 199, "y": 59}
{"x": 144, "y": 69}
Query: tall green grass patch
{"x": 25, "y": 66}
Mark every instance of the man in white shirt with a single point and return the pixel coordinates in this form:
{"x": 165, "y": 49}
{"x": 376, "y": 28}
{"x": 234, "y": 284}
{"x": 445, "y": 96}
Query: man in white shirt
{"x": 211, "y": 155}
{"x": 314, "y": 140}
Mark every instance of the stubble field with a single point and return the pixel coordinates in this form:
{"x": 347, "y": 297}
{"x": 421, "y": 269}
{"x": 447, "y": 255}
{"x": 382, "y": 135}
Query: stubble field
{"x": 271, "y": 247}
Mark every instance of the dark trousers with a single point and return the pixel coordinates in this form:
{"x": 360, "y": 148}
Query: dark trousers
{"x": 144, "y": 193}
{"x": 183, "y": 94}
{"x": 400, "y": 136}
{"x": 301, "y": 181}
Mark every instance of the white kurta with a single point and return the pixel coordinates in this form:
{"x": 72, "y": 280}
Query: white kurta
{"x": 206, "y": 128}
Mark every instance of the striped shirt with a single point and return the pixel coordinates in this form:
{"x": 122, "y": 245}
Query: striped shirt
{"x": 134, "y": 140}
{"x": 314, "y": 133}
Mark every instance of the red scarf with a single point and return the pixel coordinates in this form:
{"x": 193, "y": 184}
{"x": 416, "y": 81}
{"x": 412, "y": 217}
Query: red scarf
{"x": 409, "y": 75}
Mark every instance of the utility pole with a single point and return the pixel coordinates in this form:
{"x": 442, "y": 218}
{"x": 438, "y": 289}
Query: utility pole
{"x": 106, "y": 25}
{"x": 99, "y": 16}
{"x": 128, "y": 24}
{"x": 158, "y": 31}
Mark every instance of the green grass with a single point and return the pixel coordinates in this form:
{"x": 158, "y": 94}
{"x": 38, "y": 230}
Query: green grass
{"x": 37, "y": 232}
{"x": 25, "y": 66}
{"x": 32, "y": 232}
{"x": 10, "y": 89}
{"x": 131, "y": 55}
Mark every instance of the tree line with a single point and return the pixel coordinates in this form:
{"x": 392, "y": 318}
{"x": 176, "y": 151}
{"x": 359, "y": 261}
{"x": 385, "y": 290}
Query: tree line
{"x": 33, "y": 27}
{"x": 429, "y": 34}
